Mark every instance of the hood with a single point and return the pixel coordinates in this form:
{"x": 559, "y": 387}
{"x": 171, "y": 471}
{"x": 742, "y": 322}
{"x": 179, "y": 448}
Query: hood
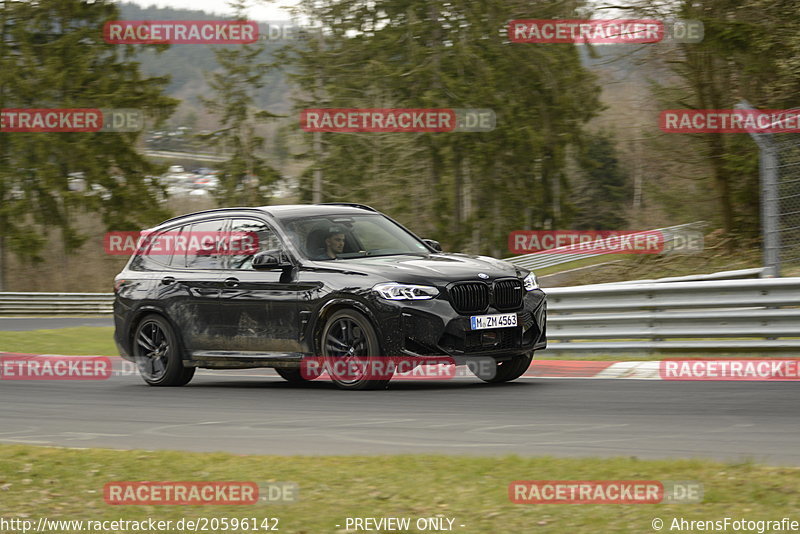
{"x": 428, "y": 268}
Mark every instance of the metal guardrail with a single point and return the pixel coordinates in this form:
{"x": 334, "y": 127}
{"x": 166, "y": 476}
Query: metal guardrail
{"x": 738, "y": 274}
{"x": 760, "y": 314}
{"x": 540, "y": 260}
{"x": 56, "y": 303}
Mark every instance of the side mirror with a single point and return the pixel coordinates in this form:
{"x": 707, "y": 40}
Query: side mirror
{"x": 271, "y": 259}
{"x": 435, "y": 245}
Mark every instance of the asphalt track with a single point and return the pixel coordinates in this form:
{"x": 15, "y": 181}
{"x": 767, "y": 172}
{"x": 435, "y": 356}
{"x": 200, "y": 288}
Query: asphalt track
{"x": 256, "y": 412}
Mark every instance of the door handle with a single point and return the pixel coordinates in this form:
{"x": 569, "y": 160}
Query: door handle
{"x": 231, "y": 282}
{"x": 168, "y": 280}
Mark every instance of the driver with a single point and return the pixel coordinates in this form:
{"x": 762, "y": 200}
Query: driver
{"x": 334, "y": 244}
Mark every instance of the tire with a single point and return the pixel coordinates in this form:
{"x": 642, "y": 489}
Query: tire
{"x": 347, "y": 338}
{"x": 158, "y": 353}
{"x": 290, "y": 374}
{"x": 507, "y": 370}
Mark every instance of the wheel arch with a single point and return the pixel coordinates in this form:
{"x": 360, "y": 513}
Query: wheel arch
{"x": 142, "y": 312}
{"x": 337, "y": 304}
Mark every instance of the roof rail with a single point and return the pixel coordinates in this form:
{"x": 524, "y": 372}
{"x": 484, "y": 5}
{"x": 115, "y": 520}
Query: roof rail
{"x": 350, "y": 204}
{"x": 212, "y": 210}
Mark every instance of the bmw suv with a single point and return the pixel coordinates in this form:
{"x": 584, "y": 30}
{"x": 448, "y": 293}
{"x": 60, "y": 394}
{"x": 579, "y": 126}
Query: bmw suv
{"x": 276, "y": 286}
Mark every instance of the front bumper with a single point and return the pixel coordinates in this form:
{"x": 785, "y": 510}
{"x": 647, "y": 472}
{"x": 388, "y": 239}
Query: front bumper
{"x": 433, "y": 328}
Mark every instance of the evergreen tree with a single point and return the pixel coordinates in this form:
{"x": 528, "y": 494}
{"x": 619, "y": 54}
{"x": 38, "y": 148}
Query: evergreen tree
{"x": 245, "y": 178}
{"x": 467, "y": 189}
{"x": 602, "y": 197}
{"x": 52, "y": 55}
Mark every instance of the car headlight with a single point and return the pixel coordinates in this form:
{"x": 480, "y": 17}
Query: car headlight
{"x": 530, "y": 282}
{"x": 395, "y": 291}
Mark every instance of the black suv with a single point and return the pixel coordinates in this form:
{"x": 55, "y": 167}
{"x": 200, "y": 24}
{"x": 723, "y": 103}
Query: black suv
{"x": 323, "y": 281}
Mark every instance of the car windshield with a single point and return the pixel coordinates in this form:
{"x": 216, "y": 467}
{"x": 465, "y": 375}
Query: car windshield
{"x": 342, "y": 237}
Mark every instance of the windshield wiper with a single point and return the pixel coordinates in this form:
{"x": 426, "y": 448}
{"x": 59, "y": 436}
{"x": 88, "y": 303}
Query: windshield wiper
{"x": 409, "y": 253}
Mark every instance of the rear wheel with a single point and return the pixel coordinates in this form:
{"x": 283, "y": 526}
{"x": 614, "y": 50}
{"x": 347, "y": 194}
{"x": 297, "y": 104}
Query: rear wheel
{"x": 351, "y": 352}
{"x": 295, "y": 375}
{"x": 504, "y": 371}
{"x": 157, "y": 353}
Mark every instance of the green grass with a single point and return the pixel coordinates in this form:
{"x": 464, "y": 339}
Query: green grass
{"x": 68, "y": 484}
{"x": 81, "y": 340}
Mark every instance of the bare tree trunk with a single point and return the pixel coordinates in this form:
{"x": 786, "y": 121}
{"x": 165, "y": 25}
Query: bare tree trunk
{"x": 2, "y": 263}
{"x": 316, "y": 196}
{"x": 722, "y": 183}
{"x": 458, "y": 203}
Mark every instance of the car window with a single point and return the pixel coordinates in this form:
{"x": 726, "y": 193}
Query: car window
{"x": 374, "y": 236}
{"x": 178, "y": 257}
{"x": 153, "y": 254}
{"x": 203, "y": 250}
{"x": 365, "y": 235}
{"x": 250, "y": 236}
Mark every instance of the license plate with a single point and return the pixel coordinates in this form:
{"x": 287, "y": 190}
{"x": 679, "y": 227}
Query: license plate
{"x": 497, "y": 320}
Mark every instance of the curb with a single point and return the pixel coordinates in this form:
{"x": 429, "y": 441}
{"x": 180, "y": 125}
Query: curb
{"x": 640, "y": 370}
{"x": 777, "y": 370}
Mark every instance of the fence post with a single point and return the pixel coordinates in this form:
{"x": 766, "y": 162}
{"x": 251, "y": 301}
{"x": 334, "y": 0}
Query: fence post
{"x": 768, "y": 176}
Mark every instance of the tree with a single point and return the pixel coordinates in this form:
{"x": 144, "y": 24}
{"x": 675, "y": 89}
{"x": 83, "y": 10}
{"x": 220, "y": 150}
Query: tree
{"x": 749, "y": 51}
{"x": 603, "y": 195}
{"x": 467, "y": 189}
{"x": 245, "y": 178}
{"x": 52, "y": 55}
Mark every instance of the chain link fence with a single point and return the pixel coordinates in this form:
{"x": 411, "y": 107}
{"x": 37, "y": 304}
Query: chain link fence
{"x": 779, "y": 169}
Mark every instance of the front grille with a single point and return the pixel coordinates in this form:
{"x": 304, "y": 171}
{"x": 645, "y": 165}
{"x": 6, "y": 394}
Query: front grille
{"x": 508, "y": 294}
{"x": 482, "y": 340}
{"x": 474, "y": 297}
{"x": 469, "y": 297}
{"x": 478, "y": 341}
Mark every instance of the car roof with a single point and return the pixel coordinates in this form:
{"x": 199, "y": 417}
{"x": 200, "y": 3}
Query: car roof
{"x": 303, "y": 210}
{"x": 283, "y": 211}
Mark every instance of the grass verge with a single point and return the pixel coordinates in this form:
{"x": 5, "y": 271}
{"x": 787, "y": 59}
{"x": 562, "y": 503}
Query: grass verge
{"x": 68, "y": 484}
{"x": 81, "y": 340}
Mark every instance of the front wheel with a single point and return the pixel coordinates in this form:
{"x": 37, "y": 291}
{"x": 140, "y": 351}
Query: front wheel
{"x": 157, "y": 352}
{"x": 351, "y": 352}
{"x": 504, "y": 371}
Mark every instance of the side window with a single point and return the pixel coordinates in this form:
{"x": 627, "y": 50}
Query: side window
{"x": 179, "y": 235}
{"x": 245, "y": 234}
{"x": 203, "y": 250}
{"x": 152, "y": 254}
